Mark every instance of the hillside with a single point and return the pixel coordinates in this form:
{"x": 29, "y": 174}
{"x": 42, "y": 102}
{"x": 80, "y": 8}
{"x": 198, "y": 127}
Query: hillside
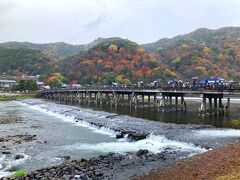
{"x": 58, "y": 49}
{"x": 199, "y": 36}
{"x": 202, "y": 53}
{"x": 114, "y": 60}
{"x": 24, "y": 61}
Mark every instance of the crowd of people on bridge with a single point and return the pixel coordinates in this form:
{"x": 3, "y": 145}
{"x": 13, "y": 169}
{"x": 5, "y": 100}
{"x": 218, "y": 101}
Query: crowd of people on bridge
{"x": 217, "y": 84}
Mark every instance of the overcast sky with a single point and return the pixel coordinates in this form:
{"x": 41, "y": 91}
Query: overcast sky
{"x": 82, "y": 21}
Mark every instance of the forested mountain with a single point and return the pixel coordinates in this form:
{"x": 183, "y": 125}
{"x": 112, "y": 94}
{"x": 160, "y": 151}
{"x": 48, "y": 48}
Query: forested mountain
{"x": 203, "y": 53}
{"x": 114, "y": 60}
{"x": 24, "y": 61}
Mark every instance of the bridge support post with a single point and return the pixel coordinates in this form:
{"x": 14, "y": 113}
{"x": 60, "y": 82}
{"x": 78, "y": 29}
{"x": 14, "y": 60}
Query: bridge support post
{"x": 210, "y": 106}
{"x": 142, "y": 100}
{"x": 221, "y": 112}
{"x": 228, "y": 106}
{"x": 168, "y": 104}
{"x": 176, "y": 103}
{"x": 149, "y": 100}
{"x": 214, "y": 106}
{"x": 155, "y": 100}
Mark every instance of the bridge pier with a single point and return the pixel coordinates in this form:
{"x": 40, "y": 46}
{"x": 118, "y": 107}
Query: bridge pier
{"x": 228, "y": 106}
{"x": 216, "y": 99}
{"x": 167, "y": 102}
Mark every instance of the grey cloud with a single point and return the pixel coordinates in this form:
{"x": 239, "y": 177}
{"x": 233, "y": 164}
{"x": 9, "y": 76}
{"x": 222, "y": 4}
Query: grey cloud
{"x": 5, "y": 7}
{"x": 81, "y": 21}
{"x": 96, "y": 22}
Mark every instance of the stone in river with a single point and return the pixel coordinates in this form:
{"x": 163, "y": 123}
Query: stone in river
{"x": 98, "y": 173}
{"x": 142, "y": 152}
{"x": 19, "y": 156}
{"x": 119, "y": 135}
{"x": 6, "y": 152}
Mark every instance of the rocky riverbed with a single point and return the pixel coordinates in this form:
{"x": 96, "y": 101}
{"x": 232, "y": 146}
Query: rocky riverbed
{"x": 10, "y": 120}
{"x": 109, "y": 166}
{"x": 10, "y": 138}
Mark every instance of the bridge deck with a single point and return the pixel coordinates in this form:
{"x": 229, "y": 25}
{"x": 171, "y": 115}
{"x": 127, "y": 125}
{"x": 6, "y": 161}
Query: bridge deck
{"x": 144, "y": 91}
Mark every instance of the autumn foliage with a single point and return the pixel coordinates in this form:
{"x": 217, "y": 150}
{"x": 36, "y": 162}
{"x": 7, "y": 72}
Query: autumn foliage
{"x": 114, "y": 61}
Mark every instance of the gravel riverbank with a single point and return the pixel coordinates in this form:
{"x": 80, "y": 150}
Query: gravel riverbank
{"x": 222, "y": 164}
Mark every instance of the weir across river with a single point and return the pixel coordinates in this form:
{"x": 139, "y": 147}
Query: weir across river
{"x": 164, "y": 100}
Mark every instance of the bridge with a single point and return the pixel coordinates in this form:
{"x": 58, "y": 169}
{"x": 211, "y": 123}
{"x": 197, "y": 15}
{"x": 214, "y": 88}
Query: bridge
{"x": 171, "y": 100}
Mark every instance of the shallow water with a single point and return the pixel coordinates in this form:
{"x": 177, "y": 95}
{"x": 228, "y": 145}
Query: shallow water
{"x": 56, "y": 124}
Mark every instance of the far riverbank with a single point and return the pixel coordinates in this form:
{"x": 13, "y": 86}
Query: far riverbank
{"x": 15, "y": 96}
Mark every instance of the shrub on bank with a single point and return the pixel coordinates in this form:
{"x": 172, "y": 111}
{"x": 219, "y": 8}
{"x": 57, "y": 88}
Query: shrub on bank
{"x": 14, "y": 97}
{"x": 19, "y": 174}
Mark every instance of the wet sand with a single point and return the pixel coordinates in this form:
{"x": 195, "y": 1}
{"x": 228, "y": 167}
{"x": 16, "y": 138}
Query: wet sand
{"x": 9, "y": 137}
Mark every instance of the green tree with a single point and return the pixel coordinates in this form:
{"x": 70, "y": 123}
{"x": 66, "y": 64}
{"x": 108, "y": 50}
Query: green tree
{"x": 55, "y": 80}
{"x": 29, "y": 85}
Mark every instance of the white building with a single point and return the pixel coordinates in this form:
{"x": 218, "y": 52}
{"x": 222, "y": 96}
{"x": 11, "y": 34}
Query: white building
{"x": 7, "y": 83}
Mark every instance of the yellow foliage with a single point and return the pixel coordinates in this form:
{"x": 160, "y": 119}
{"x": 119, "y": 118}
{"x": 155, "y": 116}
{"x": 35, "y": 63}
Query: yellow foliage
{"x": 140, "y": 49}
{"x": 157, "y": 68}
{"x": 200, "y": 68}
{"x": 87, "y": 62}
{"x": 175, "y": 61}
{"x": 54, "y": 77}
{"x": 184, "y": 46}
{"x": 113, "y": 47}
{"x": 206, "y": 50}
{"x": 122, "y": 79}
{"x": 221, "y": 56}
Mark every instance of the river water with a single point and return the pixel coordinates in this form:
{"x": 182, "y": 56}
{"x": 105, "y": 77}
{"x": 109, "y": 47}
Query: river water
{"x": 63, "y": 130}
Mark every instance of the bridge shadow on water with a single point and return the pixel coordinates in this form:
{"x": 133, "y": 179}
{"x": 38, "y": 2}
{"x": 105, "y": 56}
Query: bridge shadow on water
{"x": 191, "y": 116}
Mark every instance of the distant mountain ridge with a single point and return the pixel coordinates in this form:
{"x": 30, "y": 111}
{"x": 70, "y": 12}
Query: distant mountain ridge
{"x": 59, "y": 48}
{"x": 201, "y": 35}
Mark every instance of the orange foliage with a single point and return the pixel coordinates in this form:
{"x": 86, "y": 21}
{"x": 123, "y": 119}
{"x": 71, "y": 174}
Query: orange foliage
{"x": 170, "y": 73}
{"x": 138, "y": 74}
{"x": 87, "y": 62}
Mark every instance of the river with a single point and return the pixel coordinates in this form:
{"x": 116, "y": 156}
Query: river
{"x": 59, "y": 131}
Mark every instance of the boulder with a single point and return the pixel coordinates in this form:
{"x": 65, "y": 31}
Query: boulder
{"x": 142, "y": 152}
{"x": 19, "y": 156}
{"x": 136, "y": 136}
{"x": 119, "y": 135}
